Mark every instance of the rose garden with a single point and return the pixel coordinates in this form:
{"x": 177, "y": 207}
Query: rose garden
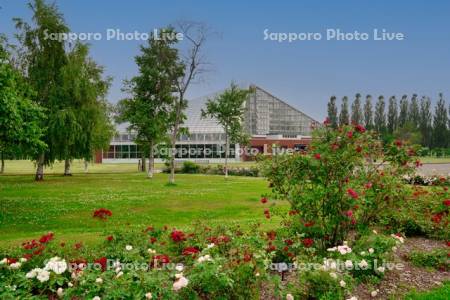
{"x": 334, "y": 223}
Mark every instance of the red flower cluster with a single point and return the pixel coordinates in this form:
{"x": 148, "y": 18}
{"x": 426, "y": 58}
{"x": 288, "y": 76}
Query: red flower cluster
{"x": 177, "y": 236}
{"x": 271, "y": 235}
{"x": 162, "y": 258}
{"x": 223, "y": 239}
{"x": 267, "y": 213}
{"x": 307, "y": 242}
{"x": 446, "y": 202}
{"x": 360, "y": 128}
{"x": 190, "y": 251}
{"x": 101, "y": 262}
{"x": 46, "y": 238}
{"x": 352, "y": 193}
{"x": 437, "y": 218}
{"x": 309, "y": 224}
{"x": 102, "y": 213}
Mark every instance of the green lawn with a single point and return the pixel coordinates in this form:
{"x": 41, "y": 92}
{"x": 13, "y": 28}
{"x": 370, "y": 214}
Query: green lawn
{"x": 65, "y": 205}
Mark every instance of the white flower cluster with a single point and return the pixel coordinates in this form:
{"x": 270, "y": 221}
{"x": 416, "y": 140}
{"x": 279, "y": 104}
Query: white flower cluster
{"x": 343, "y": 249}
{"x": 204, "y": 258}
{"x": 180, "y": 282}
{"x": 56, "y": 264}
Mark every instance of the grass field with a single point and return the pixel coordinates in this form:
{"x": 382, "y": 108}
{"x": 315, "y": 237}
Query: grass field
{"x": 65, "y": 205}
{"x": 15, "y": 167}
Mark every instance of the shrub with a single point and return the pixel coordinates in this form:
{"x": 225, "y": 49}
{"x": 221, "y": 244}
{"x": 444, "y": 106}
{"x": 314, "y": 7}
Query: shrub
{"x": 437, "y": 259}
{"x": 190, "y": 167}
{"x": 346, "y": 180}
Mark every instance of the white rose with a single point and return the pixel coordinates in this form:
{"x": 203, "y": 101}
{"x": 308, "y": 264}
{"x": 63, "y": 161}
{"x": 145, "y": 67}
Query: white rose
{"x": 334, "y": 275}
{"x": 371, "y": 250}
{"x": 70, "y": 284}
{"x": 374, "y": 293}
{"x": 119, "y": 274}
{"x": 342, "y": 283}
{"x": 43, "y": 276}
{"x": 23, "y": 259}
{"x": 348, "y": 264}
{"x": 210, "y": 245}
{"x": 15, "y": 265}
{"x": 352, "y": 298}
{"x": 179, "y": 267}
{"x": 363, "y": 264}
{"x": 180, "y": 283}
{"x": 128, "y": 247}
{"x": 96, "y": 298}
{"x": 289, "y": 297}
{"x": 60, "y": 292}
{"x": 148, "y": 296}
{"x": 99, "y": 280}
{"x": 151, "y": 251}
{"x": 331, "y": 249}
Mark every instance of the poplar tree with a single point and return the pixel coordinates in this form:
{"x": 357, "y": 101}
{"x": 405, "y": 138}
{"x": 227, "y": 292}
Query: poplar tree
{"x": 403, "y": 115}
{"x": 368, "y": 113}
{"x": 380, "y": 116}
{"x": 344, "y": 115}
{"x": 440, "y": 120}
{"x": 392, "y": 117}
{"x": 357, "y": 115}
{"x": 333, "y": 112}
{"x": 425, "y": 121}
{"x": 414, "y": 112}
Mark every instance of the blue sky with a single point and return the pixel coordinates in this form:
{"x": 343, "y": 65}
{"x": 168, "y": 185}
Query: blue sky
{"x": 303, "y": 73}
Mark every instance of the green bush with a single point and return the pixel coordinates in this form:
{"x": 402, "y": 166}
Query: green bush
{"x": 438, "y": 293}
{"x": 190, "y": 167}
{"x": 436, "y": 259}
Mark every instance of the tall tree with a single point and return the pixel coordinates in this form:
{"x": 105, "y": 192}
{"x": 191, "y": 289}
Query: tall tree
{"x": 403, "y": 115}
{"x": 425, "y": 121}
{"x": 148, "y": 109}
{"x": 228, "y": 109}
{"x": 368, "y": 113}
{"x": 392, "y": 117}
{"x": 20, "y": 117}
{"x": 357, "y": 115}
{"x": 440, "y": 120}
{"x": 344, "y": 115}
{"x": 380, "y": 115}
{"x": 43, "y": 60}
{"x": 333, "y": 112}
{"x": 414, "y": 112}
{"x": 193, "y": 63}
{"x": 83, "y": 93}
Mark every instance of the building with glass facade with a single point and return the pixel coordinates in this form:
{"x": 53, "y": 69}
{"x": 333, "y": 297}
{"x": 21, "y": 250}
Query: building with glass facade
{"x": 268, "y": 120}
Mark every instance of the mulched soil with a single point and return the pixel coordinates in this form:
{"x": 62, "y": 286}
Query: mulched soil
{"x": 399, "y": 282}
{"x": 396, "y": 282}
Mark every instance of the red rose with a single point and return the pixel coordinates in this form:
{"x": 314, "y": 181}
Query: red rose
{"x": 368, "y": 185}
{"x": 317, "y": 156}
{"x": 327, "y": 121}
{"x": 152, "y": 240}
{"x": 350, "y": 134}
{"x": 160, "y": 259}
{"x": 446, "y": 202}
{"x": 293, "y": 212}
{"x": 247, "y": 257}
{"x": 289, "y": 242}
{"x": 271, "y": 235}
{"x": 102, "y": 262}
{"x": 307, "y": 242}
{"x": 190, "y": 251}
{"x": 309, "y": 224}
{"x": 102, "y": 213}
{"x": 352, "y": 193}
{"x": 358, "y": 149}
{"x": 110, "y": 238}
{"x": 398, "y": 143}
{"x": 177, "y": 236}
{"x": 360, "y": 128}
{"x": 78, "y": 245}
{"x": 349, "y": 213}
{"x": 46, "y": 238}
{"x": 263, "y": 200}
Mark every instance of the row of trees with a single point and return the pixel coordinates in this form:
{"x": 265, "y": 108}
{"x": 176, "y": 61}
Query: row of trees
{"x": 410, "y": 118}
{"x": 155, "y": 108}
{"x": 52, "y": 93}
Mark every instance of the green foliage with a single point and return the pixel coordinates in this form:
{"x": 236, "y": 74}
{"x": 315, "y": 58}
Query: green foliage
{"x": 437, "y": 259}
{"x": 438, "y": 293}
{"x": 20, "y": 117}
{"x": 190, "y": 167}
{"x": 318, "y": 285}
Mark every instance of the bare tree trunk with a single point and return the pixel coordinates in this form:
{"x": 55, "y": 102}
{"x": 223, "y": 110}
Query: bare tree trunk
{"x": 227, "y": 147}
{"x": 172, "y": 159}
{"x": 40, "y": 168}
{"x": 86, "y": 165}
{"x": 67, "y": 171}
{"x": 151, "y": 160}
{"x": 2, "y": 168}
